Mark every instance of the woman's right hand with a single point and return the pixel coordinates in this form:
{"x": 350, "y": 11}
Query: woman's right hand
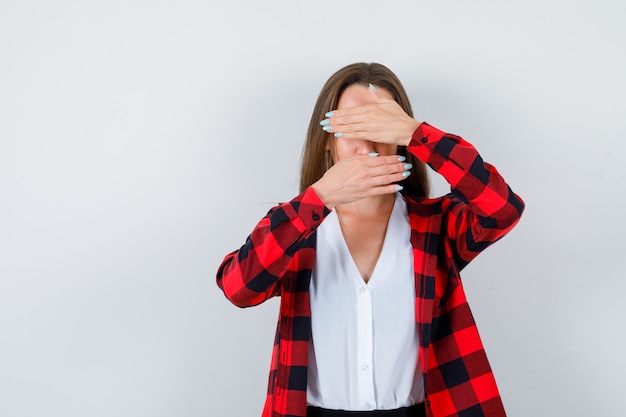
{"x": 359, "y": 177}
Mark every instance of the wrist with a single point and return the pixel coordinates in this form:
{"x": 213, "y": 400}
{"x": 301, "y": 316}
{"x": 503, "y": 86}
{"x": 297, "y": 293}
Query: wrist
{"x": 410, "y": 130}
{"x": 323, "y": 196}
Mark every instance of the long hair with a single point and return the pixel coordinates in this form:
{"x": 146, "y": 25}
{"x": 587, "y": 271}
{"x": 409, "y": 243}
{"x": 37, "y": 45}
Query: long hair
{"x": 316, "y": 159}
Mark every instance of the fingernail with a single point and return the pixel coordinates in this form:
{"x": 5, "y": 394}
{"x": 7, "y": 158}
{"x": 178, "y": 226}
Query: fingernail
{"x": 372, "y": 88}
{"x": 408, "y": 166}
{"x": 329, "y": 114}
{"x": 399, "y": 188}
{"x": 406, "y": 173}
{"x": 372, "y": 154}
{"x": 338, "y": 134}
{"x": 401, "y": 158}
{"x": 327, "y": 128}
{"x": 324, "y": 122}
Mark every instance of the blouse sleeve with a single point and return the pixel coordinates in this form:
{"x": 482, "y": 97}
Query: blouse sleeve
{"x": 483, "y": 208}
{"x": 252, "y": 274}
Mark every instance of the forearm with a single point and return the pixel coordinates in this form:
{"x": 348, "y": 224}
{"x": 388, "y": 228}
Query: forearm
{"x": 472, "y": 180}
{"x": 252, "y": 274}
{"x": 487, "y": 208}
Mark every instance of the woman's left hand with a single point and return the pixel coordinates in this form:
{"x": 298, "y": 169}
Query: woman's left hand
{"x": 383, "y": 121}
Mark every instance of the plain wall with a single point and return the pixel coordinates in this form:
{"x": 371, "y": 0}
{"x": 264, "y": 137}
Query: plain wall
{"x": 140, "y": 142}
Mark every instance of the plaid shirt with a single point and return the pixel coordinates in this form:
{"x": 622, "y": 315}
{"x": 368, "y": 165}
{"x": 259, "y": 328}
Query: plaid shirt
{"x": 446, "y": 234}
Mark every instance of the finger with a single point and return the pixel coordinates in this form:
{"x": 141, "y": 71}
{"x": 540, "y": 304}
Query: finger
{"x": 366, "y": 118}
{"x": 375, "y": 97}
{"x": 387, "y": 173}
{"x": 335, "y": 115}
{"x": 395, "y": 163}
{"x": 380, "y": 173}
{"x": 389, "y": 178}
{"x": 374, "y": 159}
{"x": 373, "y": 93}
{"x": 346, "y": 123}
{"x": 384, "y": 189}
{"x": 369, "y": 135}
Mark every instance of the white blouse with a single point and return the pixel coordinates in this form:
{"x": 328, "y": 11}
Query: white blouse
{"x": 364, "y": 348}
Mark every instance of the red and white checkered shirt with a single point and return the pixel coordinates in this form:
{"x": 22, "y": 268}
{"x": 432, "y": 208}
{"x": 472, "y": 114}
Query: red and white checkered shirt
{"x": 446, "y": 234}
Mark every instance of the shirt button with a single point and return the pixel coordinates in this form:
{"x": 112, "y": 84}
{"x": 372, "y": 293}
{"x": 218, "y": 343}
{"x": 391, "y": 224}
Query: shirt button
{"x": 316, "y": 216}
{"x": 362, "y": 290}
{"x": 424, "y": 140}
{"x": 365, "y": 367}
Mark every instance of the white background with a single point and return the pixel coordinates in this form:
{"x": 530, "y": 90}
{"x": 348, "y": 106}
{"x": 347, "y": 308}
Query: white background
{"x": 140, "y": 141}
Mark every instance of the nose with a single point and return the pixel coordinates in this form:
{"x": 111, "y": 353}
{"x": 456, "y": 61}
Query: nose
{"x": 364, "y": 147}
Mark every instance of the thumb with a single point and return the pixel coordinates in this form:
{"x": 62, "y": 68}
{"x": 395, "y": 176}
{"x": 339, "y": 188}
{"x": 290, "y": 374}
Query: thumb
{"x": 374, "y": 94}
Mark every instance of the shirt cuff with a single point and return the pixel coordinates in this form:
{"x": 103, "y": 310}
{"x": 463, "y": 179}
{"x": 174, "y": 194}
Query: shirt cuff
{"x": 425, "y": 134}
{"x": 311, "y": 209}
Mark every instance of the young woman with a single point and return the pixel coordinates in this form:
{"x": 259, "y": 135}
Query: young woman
{"x": 373, "y": 318}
